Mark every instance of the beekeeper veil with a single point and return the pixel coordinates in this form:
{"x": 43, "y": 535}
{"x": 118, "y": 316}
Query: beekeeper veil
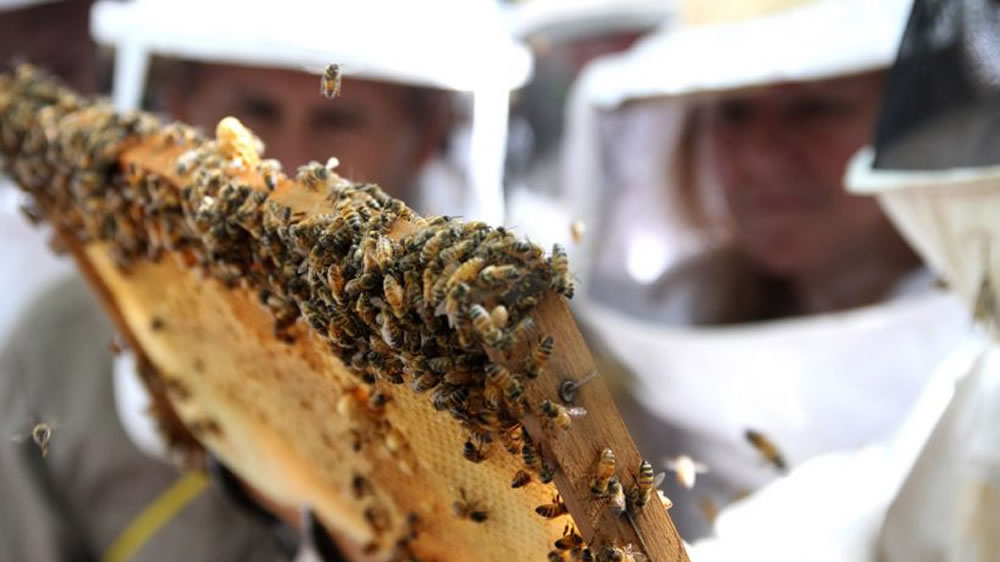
{"x": 813, "y": 384}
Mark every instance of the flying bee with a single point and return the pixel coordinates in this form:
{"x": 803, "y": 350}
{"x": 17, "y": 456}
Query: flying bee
{"x": 560, "y": 416}
{"x": 474, "y": 453}
{"x": 576, "y": 230}
{"x": 687, "y": 469}
{"x": 616, "y": 497}
{"x": 986, "y": 309}
{"x": 767, "y": 449}
{"x": 603, "y": 473}
{"x": 329, "y": 84}
{"x": 646, "y": 482}
{"x": 521, "y": 478}
{"x": 41, "y": 436}
{"x": 393, "y": 292}
{"x": 563, "y": 281}
{"x": 552, "y": 510}
{"x": 467, "y": 509}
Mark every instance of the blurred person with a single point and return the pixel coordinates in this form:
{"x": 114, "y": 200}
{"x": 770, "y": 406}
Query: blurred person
{"x": 105, "y": 486}
{"x": 564, "y": 36}
{"x": 752, "y": 314}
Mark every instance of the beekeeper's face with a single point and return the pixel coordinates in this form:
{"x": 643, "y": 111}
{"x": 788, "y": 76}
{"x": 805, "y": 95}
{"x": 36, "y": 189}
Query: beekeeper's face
{"x": 380, "y": 132}
{"x": 779, "y": 156}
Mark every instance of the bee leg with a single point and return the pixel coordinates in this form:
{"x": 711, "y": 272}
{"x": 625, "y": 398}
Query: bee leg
{"x": 317, "y": 546}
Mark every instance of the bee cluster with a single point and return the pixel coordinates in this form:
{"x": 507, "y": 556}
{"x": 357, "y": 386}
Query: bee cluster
{"x": 415, "y": 310}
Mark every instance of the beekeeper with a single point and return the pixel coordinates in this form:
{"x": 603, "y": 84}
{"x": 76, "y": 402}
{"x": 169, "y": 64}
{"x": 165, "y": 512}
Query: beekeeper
{"x": 105, "y": 487}
{"x": 724, "y": 269}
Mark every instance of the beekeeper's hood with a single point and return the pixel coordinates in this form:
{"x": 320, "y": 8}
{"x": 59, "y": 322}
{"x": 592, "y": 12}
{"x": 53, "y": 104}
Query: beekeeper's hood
{"x": 812, "y": 384}
{"x": 456, "y": 45}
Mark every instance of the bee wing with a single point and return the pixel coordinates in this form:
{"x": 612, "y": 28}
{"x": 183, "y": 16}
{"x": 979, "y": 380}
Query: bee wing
{"x": 658, "y": 479}
{"x": 700, "y": 467}
{"x": 18, "y": 438}
{"x": 576, "y": 411}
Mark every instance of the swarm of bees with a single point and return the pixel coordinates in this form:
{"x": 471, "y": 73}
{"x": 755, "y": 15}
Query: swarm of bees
{"x": 417, "y": 310}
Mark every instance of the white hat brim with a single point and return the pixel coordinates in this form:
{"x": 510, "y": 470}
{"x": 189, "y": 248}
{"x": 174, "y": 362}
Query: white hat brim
{"x": 824, "y": 39}
{"x": 406, "y": 42}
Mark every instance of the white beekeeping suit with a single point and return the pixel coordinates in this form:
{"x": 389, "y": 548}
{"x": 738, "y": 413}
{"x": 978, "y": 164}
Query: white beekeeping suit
{"x": 814, "y": 385}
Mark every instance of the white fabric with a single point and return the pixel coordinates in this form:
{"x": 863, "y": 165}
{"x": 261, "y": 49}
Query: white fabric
{"x": 28, "y": 263}
{"x": 133, "y": 402}
{"x": 813, "y": 385}
{"x": 831, "y": 508}
{"x": 817, "y": 40}
{"x": 949, "y": 216}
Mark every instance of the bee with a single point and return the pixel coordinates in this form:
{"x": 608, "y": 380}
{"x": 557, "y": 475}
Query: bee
{"x": 351, "y": 217}
{"x": 378, "y": 519}
{"x": 767, "y": 449}
{"x": 513, "y": 439}
{"x": 562, "y": 282}
{"x": 474, "y": 453}
{"x": 329, "y": 85}
{"x": 483, "y": 324}
{"x": 646, "y": 482}
{"x": 499, "y": 274}
{"x": 616, "y": 497}
{"x": 523, "y": 329}
{"x": 576, "y": 230}
{"x": 533, "y": 459}
{"x": 521, "y": 478}
{"x": 628, "y": 553}
{"x": 603, "y": 473}
{"x": 552, "y": 510}
{"x": 393, "y": 292}
{"x": 540, "y": 355}
{"x": 686, "y": 469}
{"x": 467, "y": 509}
{"x": 709, "y": 509}
{"x": 41, "y": 435}
{"x": 434, "y": 245}
{"x": 466, "y": 272}
{"x": 449, "y": 397}
{"x": 270, "y": 171}
{"x": 501, "y": 377}
{"x": 571, "y": 540}
{"x": 426, "y": 381}
{"x": 156, "y": 324}
{"x": 560, "y": 416}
